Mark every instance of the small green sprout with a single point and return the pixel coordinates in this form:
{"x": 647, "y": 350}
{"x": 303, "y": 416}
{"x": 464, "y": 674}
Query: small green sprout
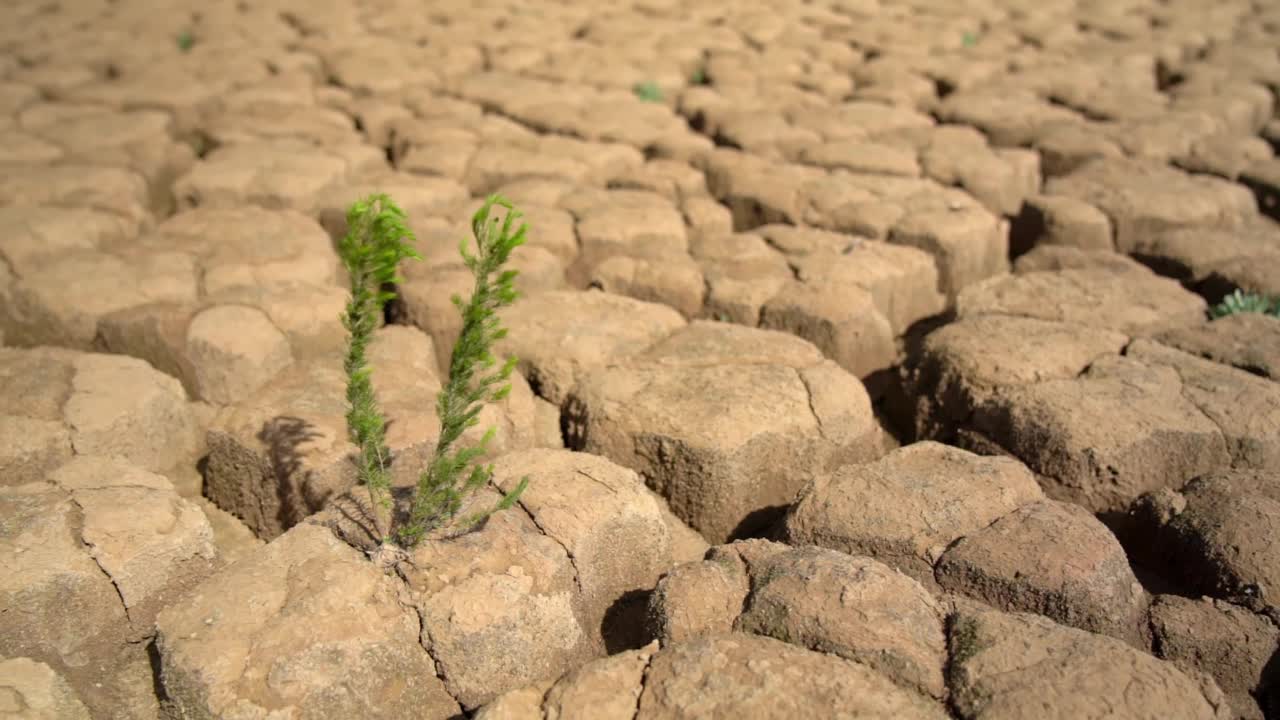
{"x": 969, "y": 39}
{"x": 1242, "y": 302}
{"x": 186, "y": 41}
{"x": 648, "y": 91}
{"x": 699, "y": 77}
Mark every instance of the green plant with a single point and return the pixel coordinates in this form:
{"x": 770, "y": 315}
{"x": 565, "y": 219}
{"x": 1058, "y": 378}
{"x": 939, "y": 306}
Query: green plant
{"x": 186, "y": 40}
{"x": 438, "y": 493}
{"x": 969, "y": 39}
{"x": 371, "y": 250}
{"x": 377, "y": 240}
{"x": 699, "y": 77}
{"x": 1239, "y": 302}
{"x": 648, "y": 91}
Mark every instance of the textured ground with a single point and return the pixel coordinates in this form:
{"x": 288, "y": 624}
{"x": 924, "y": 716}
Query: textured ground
{"x": 866, "y": 367}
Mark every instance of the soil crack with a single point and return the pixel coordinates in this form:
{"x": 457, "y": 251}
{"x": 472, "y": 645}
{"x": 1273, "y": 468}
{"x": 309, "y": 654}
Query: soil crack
{"x": 92, "y": 550}
{"x": 644, "y": 679}
{"x": 808, "y": 389}
{"x": 573, "y": 561}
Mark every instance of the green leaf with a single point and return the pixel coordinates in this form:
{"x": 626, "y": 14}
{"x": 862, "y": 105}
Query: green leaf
{"x": 648, "y": 91}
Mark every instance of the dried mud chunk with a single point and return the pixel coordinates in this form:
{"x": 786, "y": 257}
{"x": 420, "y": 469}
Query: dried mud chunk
{"x": 908, "y": 507}
{"x": 743, "y": 675}
{"x": 275, "y": 175}
{"x": 831, "y": 602}
{"x": 1245, "y": 407}
{"x": 603, "y": 515}
{"x": 122, "y": 406}
{"x": 1248, "y": 341}
{"x": 969, "y": 244}
{"x": 117, "y": 191}
{"x": 674, "y": 280}
{"x": 38, "y": 234}
{"x": 704, "y": 342}
{"x": 956, "y": 368}
{"x": 248, "y": 252}
{"x": 162, "y": 86}
{"x": 1195, "y": 255}
{"x": 842, "y": 321}
{"x": 1008, "y": 120}
{"x": 903, "y": 281}
{"x": 959, "y": 156}
{"x": 38, "y": 691}
{"x": 234, "y": 351}
{"x": 30, "y": 448}
{"x": 1231, "y": 644}
{"x": 500, "y": 606}
{"x": 698, "y": 599}
{"x": 306, "y": 623}
{"x": 608, "y": 688}
{"x": 1065, "y": 147}
{"x": 1119, "y": 430}
{"x": 699, "y": 434}
{"x": 1060, "y": 221}
{"x": 1018, "y": 665}
{"x": 1225, "y": 155}
{"x": 1142, "y": 305}
{"x": 671, "y": 179}
{"x": 1053, "y": 559}
{"x": 150, "y": 543}
{"x": 1052, "y": 258}
{"x": 111, "y": 544}
{"x": 757, "y": 192}
{"x": 706, "y": 217}
{"x": 559, "y": 336}
{"x": 1263, "y": 178}
{"x": 605, "y": 232}
{"x": 861, "y": 156}
{"x": 62, "y": 302}
{"x": 1143, "y": 198}
{"x": 1215, "y": 535}
{"x": 52, "y": 577}
{"x": 742, "y": 272}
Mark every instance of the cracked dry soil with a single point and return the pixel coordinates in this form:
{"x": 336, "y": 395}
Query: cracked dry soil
{"x": 865, "y": 361}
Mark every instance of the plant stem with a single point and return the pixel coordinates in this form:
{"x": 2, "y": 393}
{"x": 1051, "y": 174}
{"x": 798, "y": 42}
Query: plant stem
{"x": 371, "y": 251}
{"x": 454, "y": 474}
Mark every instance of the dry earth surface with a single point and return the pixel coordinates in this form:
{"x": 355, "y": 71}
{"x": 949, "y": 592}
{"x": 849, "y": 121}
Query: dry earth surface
{"x": 865, "y": 362}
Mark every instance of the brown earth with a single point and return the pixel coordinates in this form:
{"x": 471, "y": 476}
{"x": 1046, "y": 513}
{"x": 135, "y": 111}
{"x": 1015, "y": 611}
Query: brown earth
{"x": 865, "y": 361}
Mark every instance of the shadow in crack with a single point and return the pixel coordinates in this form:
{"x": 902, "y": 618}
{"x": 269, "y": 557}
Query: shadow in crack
{"x": 1267, "y": 691}
{"x": 284, "y": 436}
{"x": 625, "y": 625}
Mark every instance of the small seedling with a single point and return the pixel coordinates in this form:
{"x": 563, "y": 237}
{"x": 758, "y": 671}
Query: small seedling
{"x": 648, "y": 91}
{"x": 443, "y": 485}
{"x": 372, "y": 249}
{"x": 969, "y": 39}
{"x": 699, "y": 77}
{"x": 377, "y": 240}
{"x": 186, "y": 40}
{"x": 1241, "y": 302}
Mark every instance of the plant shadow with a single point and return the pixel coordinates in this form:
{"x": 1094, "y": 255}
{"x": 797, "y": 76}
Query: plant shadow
{"x": 284, "y": 436}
